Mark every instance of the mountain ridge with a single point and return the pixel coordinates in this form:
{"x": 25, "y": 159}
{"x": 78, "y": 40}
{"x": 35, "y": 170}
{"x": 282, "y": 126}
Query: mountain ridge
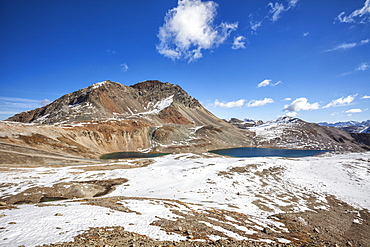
{"x": 350, "y": 126}
{"x": 105, "y": 100}
{"x": 109, "y": 117}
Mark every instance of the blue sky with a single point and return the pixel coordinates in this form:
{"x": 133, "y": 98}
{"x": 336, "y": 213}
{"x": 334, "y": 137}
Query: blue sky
{"x": 252, "y": 59}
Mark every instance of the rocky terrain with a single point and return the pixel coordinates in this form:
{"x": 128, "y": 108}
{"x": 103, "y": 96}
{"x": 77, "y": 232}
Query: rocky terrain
{"x": 189, "y": 200}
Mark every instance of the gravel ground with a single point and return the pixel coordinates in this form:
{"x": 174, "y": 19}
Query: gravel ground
{"x": 342, "y": 225}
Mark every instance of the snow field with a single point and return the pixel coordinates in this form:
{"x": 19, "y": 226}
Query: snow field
{"x": 256, "y": 187}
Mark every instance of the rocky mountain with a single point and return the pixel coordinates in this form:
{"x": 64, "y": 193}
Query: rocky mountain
{"x": 294, "y": 133}
{"x": 150, "y": 116}
{"x": 110, "y": 117}
{"x": 153, "y": 102}
{"x": 350, "y": 126}
{"x": 243, "y": 124}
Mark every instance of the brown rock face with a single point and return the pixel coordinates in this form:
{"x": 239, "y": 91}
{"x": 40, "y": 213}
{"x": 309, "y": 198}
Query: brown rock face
{"x": 108, "y": 99}
{"x": 109, "y": 117}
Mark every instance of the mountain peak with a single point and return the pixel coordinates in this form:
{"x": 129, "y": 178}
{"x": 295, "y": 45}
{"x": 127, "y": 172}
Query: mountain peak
{"x": 151, "y": 101}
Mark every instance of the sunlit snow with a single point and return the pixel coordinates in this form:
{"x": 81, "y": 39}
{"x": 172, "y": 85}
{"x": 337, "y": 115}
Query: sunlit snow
{"x": 244, "y": 185}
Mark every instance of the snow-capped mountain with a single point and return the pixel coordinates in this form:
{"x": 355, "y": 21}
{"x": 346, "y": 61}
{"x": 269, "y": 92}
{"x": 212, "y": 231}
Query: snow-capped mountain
{"x": 243, "y": 124}
{"x": 350, "y": 126}
{"x": 294, "y": 133}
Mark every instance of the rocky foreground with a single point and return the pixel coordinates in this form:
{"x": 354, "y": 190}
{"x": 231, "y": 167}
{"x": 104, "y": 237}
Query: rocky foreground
{"x": 189, "y": 200}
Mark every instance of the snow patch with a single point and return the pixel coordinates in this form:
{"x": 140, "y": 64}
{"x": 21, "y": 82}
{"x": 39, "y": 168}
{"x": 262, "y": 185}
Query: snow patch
{"x": 244, "y": 185}
{"x": 97, "y": 85}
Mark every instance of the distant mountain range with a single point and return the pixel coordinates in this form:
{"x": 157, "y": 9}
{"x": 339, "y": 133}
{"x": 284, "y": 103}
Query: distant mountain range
{"x": 350, "y": 126}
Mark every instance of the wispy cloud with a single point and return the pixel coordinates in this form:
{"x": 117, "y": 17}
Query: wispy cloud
{"x": 189, "y": 29}
{"x": 341, "y": 101}
{"x": 276, "y": 10}
{"x": 291, "y": 114}
{"x": 11, "y": 105}
{"x": 254, "y": 103}
{"x": 255, "y": 25}
{"x": 231, "y": 104}
{"x": 305, "y": 34}
{"x": 360, "y": 68}
{"x": 363, "y": 67}
{"x": 301, "y": 104}
{"x": 274, "y": 14}
{"x": 361, "y": 15}
{"x": 111, "y": 52}
{"x": 347, "y": 46}
{"x": 267, "y": 82}
{"x": 365, "y": 97}
{"x": 353, "y": 111}
{"x": 239, "y": 43}
{"x": 124, "y": 67}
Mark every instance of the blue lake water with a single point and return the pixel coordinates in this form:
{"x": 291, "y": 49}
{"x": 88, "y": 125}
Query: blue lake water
{"x": 128, "y": 155}
{"x": 266, "y": 152}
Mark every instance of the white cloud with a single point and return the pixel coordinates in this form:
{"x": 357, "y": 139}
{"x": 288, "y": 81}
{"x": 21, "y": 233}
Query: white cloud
{"x": 275, "y": 84}
{"x": 231, "y": 104}
{"x": 292, "y": 3}
{"x": 341, "y": 101}
{"x": 189, "y": 29}
{"x": 359, "y": 15}
{"x": 353, "y": 111}
{"x": 365, "y": 97}
{"x": 365, "y": 41}
{"x": 44, "y": 102}
{"x": 363, "y": 67}
{"x": 276, "y": 10}
{"x": 263, "y": 102}
{"x": 305, "y": 34}
{"x": 124, "y": 67}
{"x": 287, "y": 99}
{"x": 267, "y": 82}
{"x": 344, "y": 46}
{"x": 291, "y": 114}
{"x": 264, "y": 83}
{"x": 347, "y": 46}
{"x": 255, "y": 25}
{"x": 274, "y": 14}
{"x": 301, "y": 104}
{"x": 239, "y": 42}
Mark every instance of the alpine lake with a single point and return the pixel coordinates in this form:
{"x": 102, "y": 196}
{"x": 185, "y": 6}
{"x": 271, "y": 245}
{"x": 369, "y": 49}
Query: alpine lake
{"x": 242, "y": 152}
{"x": 266, "y": 152}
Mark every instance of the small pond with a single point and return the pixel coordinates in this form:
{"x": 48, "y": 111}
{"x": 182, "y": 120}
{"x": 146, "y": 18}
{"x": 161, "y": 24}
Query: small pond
{"x": 266, "y": 152}
{"x": 128, "y": 155}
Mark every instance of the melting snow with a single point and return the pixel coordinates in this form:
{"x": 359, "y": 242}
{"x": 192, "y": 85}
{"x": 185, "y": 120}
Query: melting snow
{"x": 256, "y": 187}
